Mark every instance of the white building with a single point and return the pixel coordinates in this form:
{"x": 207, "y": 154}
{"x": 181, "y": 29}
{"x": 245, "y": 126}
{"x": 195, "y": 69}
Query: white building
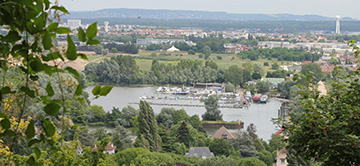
{"x": 73, "y": 23}
{"x": 106, "y": 26}
{"x": 337, "y": 25}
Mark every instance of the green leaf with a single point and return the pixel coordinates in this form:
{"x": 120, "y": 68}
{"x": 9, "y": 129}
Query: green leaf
{"x": 105, "y": 90}
{"x": 28, "y": 91}
{"x": 37, "y": 152}
{"x": 63, "y": 30}
{"x": 31, "y": 160}
{"x": 46, "y": 41}
{"x": 52, "y": 109}
{"x": 5, "y": 123}
{"x": 30, "y": 130}
{"x": 47, "y": 4}
{"x": 81, "y": 35}
{"x": 34, "y": 77}
{"x": 96, "y": 90}
{"x": 91, "y": 31}
{"x": 93, "y": 42}
{"x": 51, "y": 56}
{"x": 73, "y": 72}
{"x": 33, "y": 141}
{"x": 37, "y": 66}
{"x": 2, "y": 115}
{"x": 11, "y": 37}
{"x": 71, "y": 50}
{"x": 49, "y": 90}
{"x": 6, "y": 90}
{"x": 83, "y": 56}
{"x": 60, "y": 8}
{"x": 79, "y": 90}
{"x": 53, "y": 26}
{"x": 9, "y": 133}
{"x": 49, "y": 128}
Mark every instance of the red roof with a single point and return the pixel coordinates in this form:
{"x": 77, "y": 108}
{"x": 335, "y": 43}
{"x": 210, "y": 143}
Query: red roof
{"x": 284, "y": 150}
{"x": 279, "y": 132}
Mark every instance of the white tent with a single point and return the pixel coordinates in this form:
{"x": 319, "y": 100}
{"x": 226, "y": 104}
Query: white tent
{"x": 172, "y": 49}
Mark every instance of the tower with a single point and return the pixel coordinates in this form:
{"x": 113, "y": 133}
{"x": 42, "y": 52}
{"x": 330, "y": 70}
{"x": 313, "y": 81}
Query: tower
{"x": 106, "y": 26}
{"x": 337, "y": 25}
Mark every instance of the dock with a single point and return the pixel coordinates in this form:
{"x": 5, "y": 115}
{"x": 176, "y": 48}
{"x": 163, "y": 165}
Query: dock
{"x": 188, "y": 105}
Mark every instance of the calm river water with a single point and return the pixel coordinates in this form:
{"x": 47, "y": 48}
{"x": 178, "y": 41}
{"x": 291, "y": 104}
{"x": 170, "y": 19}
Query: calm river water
{"x": 259, "y": 114}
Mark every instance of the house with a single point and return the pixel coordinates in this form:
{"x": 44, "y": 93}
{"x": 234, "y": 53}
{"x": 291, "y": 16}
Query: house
{"x": 202, "y": 152}
{"x": 79, "y": 150}
{"x": 224, "y": 134}
{"x": 109, "y": 149}
{"x": 281, "y": 157}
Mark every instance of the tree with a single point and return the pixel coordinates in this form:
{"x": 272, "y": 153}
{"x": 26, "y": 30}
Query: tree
{"x": 183, "y": 134}
{"x": 259, "y": 69}
{"x": 234, "y": 75}
{"x": 275, "y": 66}
{"x": 147, "y": 136}
{"x": 263, "y": 86}
{"x": 328, "y": 123}
{"x": 98, "y": 49}
{"x": 313, "y": 68}
{"x": 220, "y": 147}
{"x": 244, "y": 144}
{"x": 212, "y": 112}
{"x": 251, "y": 161}
{"x": 127, "y": 156}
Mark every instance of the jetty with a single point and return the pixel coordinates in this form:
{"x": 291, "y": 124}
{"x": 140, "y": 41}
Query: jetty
{"x": 190, "y": 105}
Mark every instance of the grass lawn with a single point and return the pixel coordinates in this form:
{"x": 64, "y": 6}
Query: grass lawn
{"x": 144, "y": 59}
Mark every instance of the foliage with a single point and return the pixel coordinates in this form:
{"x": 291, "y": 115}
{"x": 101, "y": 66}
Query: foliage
{"x": 234, "y": 75}
{"x": 183, "y": 134}
{"x": 282, "y": 54}
{"x": 251, "y": 161}
{"x": 244, "y": 144}
{"x": 30, "y": 41}
{"x": 328, "y": 123}
{"x": 147, "y": 136}
{"x": 263, "y": 86}
{"x": 220, "y": 147}
{"x": 314, "y": 69}
{"x": 218, "y": 161}
{"x": 127, "y": 156}
{"x": 212, "y": 109}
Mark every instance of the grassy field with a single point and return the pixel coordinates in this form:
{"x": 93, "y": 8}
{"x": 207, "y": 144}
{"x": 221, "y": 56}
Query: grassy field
{"x": 144, "y": 59}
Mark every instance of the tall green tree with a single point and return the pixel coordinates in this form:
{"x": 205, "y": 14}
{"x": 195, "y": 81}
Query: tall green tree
{"x": 183, "y": 134}
{"x": 212, "y": 109}
{"x": 147, "y": 136}
{"x": 234, "y": 75}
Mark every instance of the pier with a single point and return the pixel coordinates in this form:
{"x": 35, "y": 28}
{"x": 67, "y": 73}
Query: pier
{"x": 190, "y": 105}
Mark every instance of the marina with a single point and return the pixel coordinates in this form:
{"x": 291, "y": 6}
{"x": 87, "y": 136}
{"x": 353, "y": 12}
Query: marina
{"x": 258, "y": 114}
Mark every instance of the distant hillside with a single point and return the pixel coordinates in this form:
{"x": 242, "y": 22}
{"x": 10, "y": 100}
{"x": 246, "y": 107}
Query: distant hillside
{"x": 197, "y": 15}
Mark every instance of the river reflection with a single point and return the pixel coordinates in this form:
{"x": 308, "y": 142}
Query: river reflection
{"x": 259, "y": 114}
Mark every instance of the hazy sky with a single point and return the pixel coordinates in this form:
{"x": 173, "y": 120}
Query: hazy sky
{"x": 330, "y": 8}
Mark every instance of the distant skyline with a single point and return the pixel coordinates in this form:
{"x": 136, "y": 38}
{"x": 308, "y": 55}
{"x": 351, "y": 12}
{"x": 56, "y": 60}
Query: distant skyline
{"x": 329, "y": 8}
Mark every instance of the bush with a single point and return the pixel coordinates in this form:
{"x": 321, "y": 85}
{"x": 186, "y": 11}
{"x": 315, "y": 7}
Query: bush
{"x": 201, "y": 55}
{"x": 219, "y": 57}
{"x": 266, "y": 63}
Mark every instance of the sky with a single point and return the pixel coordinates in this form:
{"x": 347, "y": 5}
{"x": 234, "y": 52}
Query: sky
{"x": 330, "y": 8}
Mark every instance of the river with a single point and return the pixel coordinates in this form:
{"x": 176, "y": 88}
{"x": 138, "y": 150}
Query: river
{"x": 259, "y": 114}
